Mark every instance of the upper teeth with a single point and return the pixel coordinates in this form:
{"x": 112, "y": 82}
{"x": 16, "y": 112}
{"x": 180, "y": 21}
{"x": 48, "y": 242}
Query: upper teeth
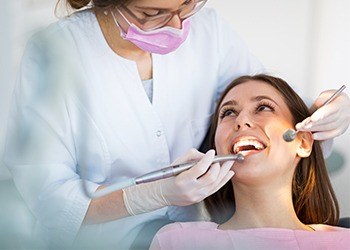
{"x": 256, "y": 144}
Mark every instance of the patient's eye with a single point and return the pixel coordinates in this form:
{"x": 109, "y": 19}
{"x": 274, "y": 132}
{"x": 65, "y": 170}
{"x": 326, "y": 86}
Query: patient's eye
{"x": 229, "y": 111}
{"x": 265, "y": 106}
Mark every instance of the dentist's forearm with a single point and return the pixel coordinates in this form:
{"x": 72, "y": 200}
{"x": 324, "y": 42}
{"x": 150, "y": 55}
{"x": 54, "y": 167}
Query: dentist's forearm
{"x": 107, "y": 208}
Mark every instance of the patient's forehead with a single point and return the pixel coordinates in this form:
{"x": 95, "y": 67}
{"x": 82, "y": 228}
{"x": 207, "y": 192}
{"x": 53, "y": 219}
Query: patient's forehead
{"x": 248, "y": 90}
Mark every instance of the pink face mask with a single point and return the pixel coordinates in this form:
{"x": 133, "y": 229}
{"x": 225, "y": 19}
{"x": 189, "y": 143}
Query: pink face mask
{"x": 160, "y": 41}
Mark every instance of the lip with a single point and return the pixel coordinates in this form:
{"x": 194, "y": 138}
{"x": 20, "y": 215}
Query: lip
{"x": 251, "y": 152}
{"x": 248, "y": 137}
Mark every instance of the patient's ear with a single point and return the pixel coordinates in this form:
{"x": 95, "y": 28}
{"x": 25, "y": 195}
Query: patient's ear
{"x": 305, "y": 141}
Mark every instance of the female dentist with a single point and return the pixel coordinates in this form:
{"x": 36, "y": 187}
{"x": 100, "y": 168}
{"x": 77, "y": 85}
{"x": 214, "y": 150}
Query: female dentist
{"x": 137, "y": 94}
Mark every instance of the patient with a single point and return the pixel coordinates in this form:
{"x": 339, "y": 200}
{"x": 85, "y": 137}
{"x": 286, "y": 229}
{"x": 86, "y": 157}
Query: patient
{"x": 280, "y": 196}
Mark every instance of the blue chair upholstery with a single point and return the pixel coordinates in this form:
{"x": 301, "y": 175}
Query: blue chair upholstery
{"x": 344, "y": 222}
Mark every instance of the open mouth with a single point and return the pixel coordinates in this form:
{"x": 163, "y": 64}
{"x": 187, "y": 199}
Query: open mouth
{"x": 247, "y": 145}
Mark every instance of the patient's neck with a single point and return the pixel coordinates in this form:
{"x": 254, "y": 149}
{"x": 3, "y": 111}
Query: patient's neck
{"x": 268, "y": 206}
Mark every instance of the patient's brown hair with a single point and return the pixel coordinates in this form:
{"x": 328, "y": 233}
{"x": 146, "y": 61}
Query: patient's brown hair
{"x": 313, "y": 196}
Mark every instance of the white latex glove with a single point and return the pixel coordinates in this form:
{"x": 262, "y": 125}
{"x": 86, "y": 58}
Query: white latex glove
{"x": 187, "y": 188}
{"x": 197, "y": 183}
{"x": 330, "y": 120}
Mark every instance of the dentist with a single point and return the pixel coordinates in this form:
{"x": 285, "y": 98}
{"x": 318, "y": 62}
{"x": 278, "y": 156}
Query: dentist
{"x": 117, "y": 90}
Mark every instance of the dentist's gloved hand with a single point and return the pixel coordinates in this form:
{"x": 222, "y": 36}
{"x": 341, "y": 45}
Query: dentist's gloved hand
{"x": 330, "y": 120}
{"x": 202, "y": 180}
{"x": 187, "y": 188}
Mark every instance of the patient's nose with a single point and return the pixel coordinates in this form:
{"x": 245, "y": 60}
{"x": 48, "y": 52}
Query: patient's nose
{"x": 242, "y": 122}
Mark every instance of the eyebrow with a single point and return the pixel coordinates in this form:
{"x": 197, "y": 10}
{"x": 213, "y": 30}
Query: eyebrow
{"x": 228, "y": 103}
{"x": 155, "y": 8}
{"x": 150, "y": 8}
{"x": 262, "y": 97}
{"x": 255, "y": 98}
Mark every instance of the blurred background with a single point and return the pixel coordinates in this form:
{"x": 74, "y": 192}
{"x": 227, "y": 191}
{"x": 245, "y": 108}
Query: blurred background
{"x": 306, "y": 42}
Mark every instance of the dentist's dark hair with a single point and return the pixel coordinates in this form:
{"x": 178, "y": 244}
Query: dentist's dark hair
{"x": 314, "y": 199}
{"x": 78, "y": 4}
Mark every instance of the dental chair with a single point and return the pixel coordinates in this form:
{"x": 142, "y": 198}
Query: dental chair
{"x": 144, "y": 238}
{"x": 344, "y": 222}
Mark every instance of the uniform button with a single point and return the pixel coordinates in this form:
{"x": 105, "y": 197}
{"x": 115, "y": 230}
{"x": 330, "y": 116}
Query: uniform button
{"x": 159, "y": 133}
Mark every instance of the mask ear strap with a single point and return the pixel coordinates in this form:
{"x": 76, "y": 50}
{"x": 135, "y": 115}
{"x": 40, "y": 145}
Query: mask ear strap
{"x": 121, "y": 13}
{"x": 122, "y": 33}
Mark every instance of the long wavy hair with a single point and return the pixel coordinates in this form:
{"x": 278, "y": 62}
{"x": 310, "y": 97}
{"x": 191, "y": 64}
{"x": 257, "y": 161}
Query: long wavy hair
{"x": 314, "y": 199}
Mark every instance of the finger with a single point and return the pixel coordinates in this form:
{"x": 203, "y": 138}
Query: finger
{"x": 325, "y": 111}
{"x": 325, "y": 135}
{"x": 211, "y": 175}
{"x": 208, "y": 190}
{"x": 324, "y": 127}
{"x": 309, "y": 125}
{"x": 326, "y": 120}
{"x": 324, "y": 96}
{"x": 192, "y": 154}
{"x": 224, "y": 176}
{"x": 227, "y": 165}
{"x": 225, "y": 168}
{"x": 301, "y": 125}
{"x": 223, "y": 181}
{"x": 201, "y": 167}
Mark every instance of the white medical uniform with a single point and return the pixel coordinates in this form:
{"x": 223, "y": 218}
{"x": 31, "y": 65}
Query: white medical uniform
{"x": 98, "y": 119}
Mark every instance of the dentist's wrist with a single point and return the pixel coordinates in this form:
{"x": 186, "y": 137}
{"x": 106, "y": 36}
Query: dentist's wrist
{"x": 144, "y": 198}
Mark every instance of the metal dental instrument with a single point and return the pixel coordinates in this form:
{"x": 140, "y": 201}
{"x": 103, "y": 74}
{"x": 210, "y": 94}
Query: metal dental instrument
{"x": 290, "y": 134}
{"x": 177, "y": 169}
{"x": 163, "y": 173}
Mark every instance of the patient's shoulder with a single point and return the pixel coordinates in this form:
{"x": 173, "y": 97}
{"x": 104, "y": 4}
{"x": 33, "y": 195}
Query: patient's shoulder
{"x": 180, "y": 226}
{"x": 328, "y": 228}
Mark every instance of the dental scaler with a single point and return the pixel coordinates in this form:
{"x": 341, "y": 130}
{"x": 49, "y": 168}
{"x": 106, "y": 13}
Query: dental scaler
{"x": 290, "y": 134}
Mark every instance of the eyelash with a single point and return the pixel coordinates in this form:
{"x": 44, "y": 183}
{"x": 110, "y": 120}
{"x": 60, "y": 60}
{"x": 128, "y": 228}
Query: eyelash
{"x": 269, "y": 105}
{"x": 223, "y": 112}
{"x": 187, "y": 2}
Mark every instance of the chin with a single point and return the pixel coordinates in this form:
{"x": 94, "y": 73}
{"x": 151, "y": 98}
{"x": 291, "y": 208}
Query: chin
{"x": 251, "y": 166}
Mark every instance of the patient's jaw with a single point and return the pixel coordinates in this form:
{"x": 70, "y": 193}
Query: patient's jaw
{"x": 253, "y": 117}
